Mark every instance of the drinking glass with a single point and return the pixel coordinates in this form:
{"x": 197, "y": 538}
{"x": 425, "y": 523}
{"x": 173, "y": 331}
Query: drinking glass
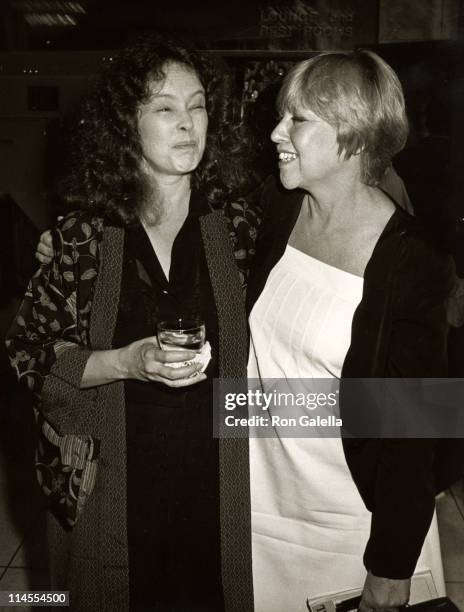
{"x": 181, "y": 333}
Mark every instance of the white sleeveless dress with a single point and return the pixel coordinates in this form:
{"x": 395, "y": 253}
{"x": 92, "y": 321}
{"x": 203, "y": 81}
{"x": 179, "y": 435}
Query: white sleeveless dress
{"x": 309, "y": 524}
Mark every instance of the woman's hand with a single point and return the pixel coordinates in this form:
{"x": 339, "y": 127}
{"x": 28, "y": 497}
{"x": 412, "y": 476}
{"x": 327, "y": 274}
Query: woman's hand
{"x": 44, "y": 250}
{"x": 142, "y": 360}
{"x": 384, "y": 594}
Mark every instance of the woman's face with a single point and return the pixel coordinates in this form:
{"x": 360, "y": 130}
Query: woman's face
{"x": 308, "y": 149}
{"x": 173, "y": 123}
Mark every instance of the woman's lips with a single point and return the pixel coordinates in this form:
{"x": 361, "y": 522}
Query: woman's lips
{"x": 186, "y": 145}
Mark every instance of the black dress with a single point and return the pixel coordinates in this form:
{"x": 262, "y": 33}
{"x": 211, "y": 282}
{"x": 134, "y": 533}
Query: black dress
{"x": 172, "y": 457}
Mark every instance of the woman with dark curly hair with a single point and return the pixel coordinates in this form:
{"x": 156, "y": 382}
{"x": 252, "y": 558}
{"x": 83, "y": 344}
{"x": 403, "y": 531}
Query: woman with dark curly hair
{"x": 167, "y": 525}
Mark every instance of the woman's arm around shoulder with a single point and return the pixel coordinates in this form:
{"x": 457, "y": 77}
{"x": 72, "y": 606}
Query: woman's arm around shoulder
{"x": 243, "y": 217}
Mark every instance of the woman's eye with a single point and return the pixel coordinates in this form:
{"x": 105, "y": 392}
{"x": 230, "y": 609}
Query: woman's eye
{"x": 164, "y": 109}
{"x": 199, "y": 103}
{"x": 298, "y": 119}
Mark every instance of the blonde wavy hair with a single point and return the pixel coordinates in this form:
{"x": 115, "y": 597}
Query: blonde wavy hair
{"x": 358, "y": 94}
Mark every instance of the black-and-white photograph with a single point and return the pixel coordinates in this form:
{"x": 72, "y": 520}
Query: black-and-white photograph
{"x": 232, "y": 305}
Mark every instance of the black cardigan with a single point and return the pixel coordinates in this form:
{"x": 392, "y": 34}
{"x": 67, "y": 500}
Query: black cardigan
{"x": 397, "y": 478}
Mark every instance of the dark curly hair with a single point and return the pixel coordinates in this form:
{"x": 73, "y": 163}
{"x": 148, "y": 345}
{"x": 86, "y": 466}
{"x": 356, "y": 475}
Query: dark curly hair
{"x": 105, "y": 172}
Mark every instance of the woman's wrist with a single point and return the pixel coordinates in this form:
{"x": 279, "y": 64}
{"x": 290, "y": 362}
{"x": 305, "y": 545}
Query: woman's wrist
{"x": 120, "y": 363}
{"x": 104, "y": 367}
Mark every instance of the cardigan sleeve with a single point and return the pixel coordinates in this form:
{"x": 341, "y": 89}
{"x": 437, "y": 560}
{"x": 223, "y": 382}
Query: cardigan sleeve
{"x": 48, "y": 342}
{"x": 402, "y": 498}
{"x": 244, "y": 218}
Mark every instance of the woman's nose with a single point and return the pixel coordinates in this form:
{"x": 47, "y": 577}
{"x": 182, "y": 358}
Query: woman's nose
{"x": 186, "y": 121}
{"x": 279, "y": 133}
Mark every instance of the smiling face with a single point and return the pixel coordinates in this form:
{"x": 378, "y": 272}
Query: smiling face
{"x": 173, "y": 123}
{"x": 308, "y": 149}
